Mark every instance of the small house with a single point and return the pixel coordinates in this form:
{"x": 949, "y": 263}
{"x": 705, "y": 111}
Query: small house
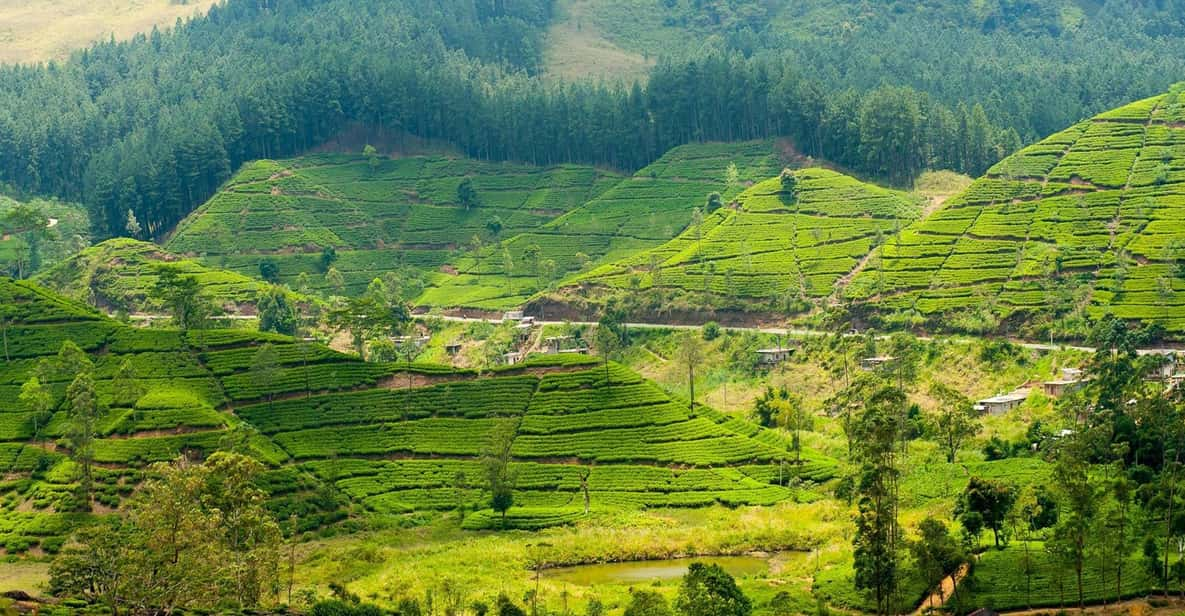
{"x": 513, "y": 315}
{"x": 872, "y": 364}
{"x": 1167, "y": 367}
{"x": 453, "y": 348}
{"x": 418, "y": 341}
{"x": 1002, "y": 403}
{"x": 770, "y": 357}
{"x": 512, "y": 358}
{"x": 557, "y": 344}
{"x": 1070, "y": 381}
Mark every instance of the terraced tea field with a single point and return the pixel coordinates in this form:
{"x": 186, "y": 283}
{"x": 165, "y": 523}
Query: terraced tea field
{"x": 389, "y": 215}
{"x": 769, "y": 246}
{"x": 1086, "y": 220}
{"x": 643, "y": 212}
{"x": 121, "y": 273}
{"x": 321, "y": 418}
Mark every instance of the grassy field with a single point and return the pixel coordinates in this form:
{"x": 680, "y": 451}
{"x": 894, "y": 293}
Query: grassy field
{"x": 577, "y": 49}
{"x": 40, "y": 30}
{"x": 1081, "y": 224}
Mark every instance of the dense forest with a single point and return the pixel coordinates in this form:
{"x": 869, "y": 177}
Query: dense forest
{"x": 1034, "y": 65}
{"x": 154, "y": 125}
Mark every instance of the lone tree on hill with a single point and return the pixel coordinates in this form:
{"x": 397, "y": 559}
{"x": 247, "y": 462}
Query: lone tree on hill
{"x": 38, "y": 401}
{"x": 132, "y": 226}
{"x": 182, "y": 295}
{"x": 265, "y": 369}
{"x": 936, "y": 553}
{"x": 789, "y": 183}
{"x": 956, "y": 421}
{"x": 991, "y": 500}
{"x": 608, "y": 343}
{"x": 876, "y": 543}
{"x": 690, "y": 354}
{"x": 277, "y": 312}
{"x": 499, "y": 478}
{"x": 372, "y": 157}
{"x": 125, "y": 387}
{"x": 83, "y": 413}
{"x": 715, "y": 202}
{"x": 31, "y": 222}
{"x": 467, "y": 195}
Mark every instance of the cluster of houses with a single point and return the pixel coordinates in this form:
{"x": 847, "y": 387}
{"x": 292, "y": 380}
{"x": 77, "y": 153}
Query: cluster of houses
{"x": 552, "y": 345}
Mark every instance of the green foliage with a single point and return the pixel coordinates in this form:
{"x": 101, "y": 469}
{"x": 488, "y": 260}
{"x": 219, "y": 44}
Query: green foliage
{"x": 708, "y": 590}
{"x": 647, "y": 603}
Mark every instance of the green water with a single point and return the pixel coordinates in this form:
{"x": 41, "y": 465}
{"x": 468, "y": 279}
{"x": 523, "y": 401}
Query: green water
{"x": 641, "y": 572}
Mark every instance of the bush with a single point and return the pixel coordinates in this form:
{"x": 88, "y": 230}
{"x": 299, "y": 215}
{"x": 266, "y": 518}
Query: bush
{"x": 711, "y": 330}
{"x": 337, "y": 607}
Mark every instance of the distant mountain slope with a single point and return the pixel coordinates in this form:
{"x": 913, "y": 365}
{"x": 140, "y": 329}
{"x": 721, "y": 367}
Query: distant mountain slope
{"x": 41, "y": 30}
{"x": 639, "y": 213}
{"x": 1087, "y": 222}
{"x": 388, "y": 444}
{"x": 120, "y": 273}
{"x": 389, "y": 215}
{"x": 768, "y": 251}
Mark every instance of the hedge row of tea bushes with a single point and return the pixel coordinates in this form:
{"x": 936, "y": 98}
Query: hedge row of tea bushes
{"x": 771, "y": 245}
{"x": 641, "y": 212}
{"x": 378, "y": 214}
{"x": 622, "y": 439}
{"x": 1090, "y": 216}
{"x": 342, "y": 436}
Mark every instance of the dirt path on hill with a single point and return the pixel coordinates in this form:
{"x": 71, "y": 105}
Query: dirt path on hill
{"x": 940, "y": 595}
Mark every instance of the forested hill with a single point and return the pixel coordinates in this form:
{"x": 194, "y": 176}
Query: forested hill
{"x": 156, "y": 124}
{"x": 1034, "y": 65}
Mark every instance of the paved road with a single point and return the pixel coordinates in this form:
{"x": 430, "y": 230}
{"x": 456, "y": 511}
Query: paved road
{"x": 805, "y": 333}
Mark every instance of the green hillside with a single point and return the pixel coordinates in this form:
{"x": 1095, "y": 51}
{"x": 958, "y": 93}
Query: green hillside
{"x": 322, "y": 418}
{"x": 120, "y": 274}
{"x": 643, "y": 212}
{"x": 380, "y": 216}
{"x": 67, "y": 228}
{"x": 768, "y": 251}
{"x": 1084, "y": 223}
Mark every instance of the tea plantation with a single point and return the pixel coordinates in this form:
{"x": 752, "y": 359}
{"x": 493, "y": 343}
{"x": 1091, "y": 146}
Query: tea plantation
{"x": 345, "y": 438}
{"x": 120, "y": 274}
{"x": 1085, "y": 221}
{"x": 378, "y": 214}
{"x": 637, "y": 214}
{"x": 770, "y": 245}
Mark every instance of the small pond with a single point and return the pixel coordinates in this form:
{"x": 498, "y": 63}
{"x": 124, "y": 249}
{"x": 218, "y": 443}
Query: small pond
{"x": 641, "y": 572}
